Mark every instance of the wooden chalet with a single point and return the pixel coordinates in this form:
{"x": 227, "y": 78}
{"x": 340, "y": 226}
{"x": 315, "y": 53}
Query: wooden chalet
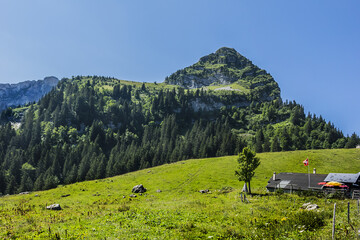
{"x": 289, "y": 182}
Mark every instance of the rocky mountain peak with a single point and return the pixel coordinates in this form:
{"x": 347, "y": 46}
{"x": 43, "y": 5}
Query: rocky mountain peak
{"x": 53, "y": 81}
{"x": 227, "y": 56}
{"x": 225, "y": 66}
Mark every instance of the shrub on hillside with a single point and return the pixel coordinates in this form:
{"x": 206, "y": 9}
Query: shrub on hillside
{"x": 307, "y": 220}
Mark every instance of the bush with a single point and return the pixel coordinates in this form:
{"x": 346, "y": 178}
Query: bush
{"x": 279, "y": 191}
{"x": 309, "y": 193}
{"x": 226, "y": 190}
{"x": 307, "y": 220}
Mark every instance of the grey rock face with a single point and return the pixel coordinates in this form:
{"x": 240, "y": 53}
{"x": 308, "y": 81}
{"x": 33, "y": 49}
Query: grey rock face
{"x": 211, "y": 105}
{"x": 139, "y": 189}
{"x": 25, "y": 92}
{"x": 192, "y": 81}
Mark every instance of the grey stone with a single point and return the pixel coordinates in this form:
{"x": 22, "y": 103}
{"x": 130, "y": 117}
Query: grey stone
{"x": 55, "y": 206}
{"x": 139, "y": 189}
{"x": 309, "y": 206}
{"x": 204, "y": 191}
{"x": 24, "y": 193}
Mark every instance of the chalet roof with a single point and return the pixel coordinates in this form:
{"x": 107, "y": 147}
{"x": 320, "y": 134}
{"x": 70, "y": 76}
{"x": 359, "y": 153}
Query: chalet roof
{"x": 342, "y": 177}
{"x": 296, "y": 181}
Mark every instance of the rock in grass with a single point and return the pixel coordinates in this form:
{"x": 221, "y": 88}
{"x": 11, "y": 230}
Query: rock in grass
{"x": 132, "y": 195}
{"x": 139, "y": 189}
{"x": 24, "y": 193}
{"x": 65, "y": 195}
{"x": 158, "y": 191}
{"x": 309, "y": 206}
{"x": 204, "y": 191}
{"x": 55, "y": 206}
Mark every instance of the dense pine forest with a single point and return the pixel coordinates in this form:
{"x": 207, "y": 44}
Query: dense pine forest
{"x": 91, "y": 127}
{"x": 95, "y": 127}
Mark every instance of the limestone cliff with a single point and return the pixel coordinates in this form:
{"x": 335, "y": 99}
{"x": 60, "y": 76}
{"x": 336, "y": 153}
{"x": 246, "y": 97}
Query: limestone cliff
{"x": 25, "y": 92}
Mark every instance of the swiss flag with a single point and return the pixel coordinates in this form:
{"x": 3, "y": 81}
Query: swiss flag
{"x": 306, "y": 162}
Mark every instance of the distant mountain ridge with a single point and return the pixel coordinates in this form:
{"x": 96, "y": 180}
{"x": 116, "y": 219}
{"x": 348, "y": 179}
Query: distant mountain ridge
{"x": 25, "y": 92}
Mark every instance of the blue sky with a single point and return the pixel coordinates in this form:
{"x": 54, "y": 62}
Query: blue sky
{"x": 310, "y": 47}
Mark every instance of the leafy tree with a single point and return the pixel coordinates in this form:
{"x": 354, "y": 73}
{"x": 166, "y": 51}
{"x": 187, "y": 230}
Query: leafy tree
{"x": 248, "y": 162}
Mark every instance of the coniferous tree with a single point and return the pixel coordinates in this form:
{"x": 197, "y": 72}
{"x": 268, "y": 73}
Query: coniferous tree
{"x": 11, "y": 185}
{"x": 26, "y": 183}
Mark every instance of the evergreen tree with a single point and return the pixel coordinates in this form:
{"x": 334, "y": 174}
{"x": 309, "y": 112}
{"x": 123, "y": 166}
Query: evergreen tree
{"x": 26, "y": 183}
{"x": 39, "y": 183}
{"x": 2, "y": 181}
{"x": 259, "y": 140}
{"x": 353, "y": 141}
{"x": 11, "y": 185}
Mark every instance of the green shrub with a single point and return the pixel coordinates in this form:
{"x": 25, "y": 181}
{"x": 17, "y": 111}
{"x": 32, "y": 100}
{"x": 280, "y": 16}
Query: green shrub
{"x": 123, "y": 208}
{"x": 279, "y": 191}
{"x": 226, "y": 189}
{"x": 307, "y": 220}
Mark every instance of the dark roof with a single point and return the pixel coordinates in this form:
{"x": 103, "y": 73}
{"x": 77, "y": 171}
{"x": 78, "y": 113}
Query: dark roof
{"x": 342, "y": 177}
{"x": 296, "y": 181}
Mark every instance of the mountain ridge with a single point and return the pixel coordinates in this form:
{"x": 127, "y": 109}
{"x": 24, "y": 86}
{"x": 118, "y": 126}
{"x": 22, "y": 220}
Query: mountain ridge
{"x": 25, "y": 92}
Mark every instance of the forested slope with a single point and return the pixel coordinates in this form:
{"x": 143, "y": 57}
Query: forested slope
{"x": 95, "y": 127}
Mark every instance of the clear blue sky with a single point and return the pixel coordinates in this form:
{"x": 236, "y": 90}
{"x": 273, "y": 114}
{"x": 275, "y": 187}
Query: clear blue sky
{"x": 312, "y": 48}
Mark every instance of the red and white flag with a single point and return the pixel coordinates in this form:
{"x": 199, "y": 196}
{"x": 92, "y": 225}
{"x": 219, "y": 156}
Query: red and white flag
{"x": 306, "y": 162}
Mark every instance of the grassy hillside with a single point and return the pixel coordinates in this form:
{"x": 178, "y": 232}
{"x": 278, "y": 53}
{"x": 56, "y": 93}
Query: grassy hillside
{"x": 103, "y": 209}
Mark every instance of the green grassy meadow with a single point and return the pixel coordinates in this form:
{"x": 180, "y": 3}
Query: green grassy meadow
{"x": 102, "y": 209}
